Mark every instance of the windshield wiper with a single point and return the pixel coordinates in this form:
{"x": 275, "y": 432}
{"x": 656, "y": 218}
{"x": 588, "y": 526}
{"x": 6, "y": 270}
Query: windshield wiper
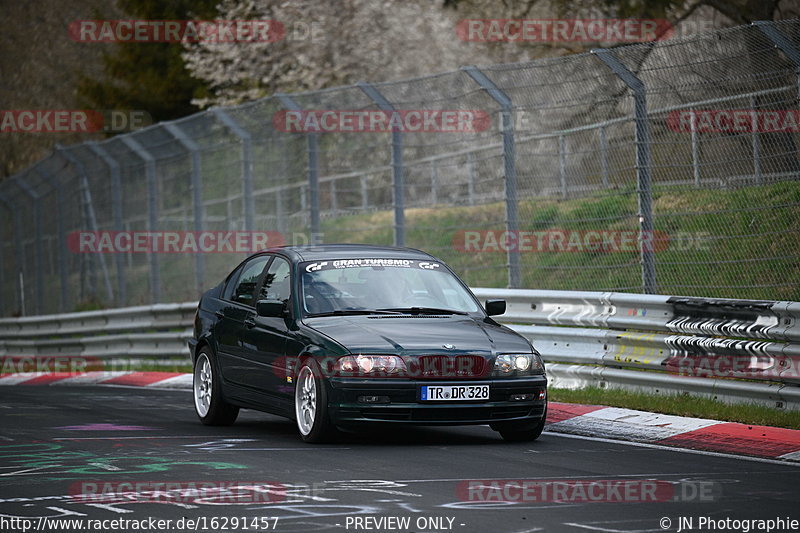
{"x": 345, "y": 312}
{"x": 424, "y": 310}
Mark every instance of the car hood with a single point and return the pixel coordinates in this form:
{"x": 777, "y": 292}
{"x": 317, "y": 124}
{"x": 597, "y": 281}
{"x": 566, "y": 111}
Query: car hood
{"x": 408, "y": 335}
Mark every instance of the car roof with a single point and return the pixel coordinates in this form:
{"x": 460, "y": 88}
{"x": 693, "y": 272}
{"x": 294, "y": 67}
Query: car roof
{"x": 348, "y": 251}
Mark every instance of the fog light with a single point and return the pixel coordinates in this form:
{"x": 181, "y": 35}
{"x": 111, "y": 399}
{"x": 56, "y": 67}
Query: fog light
{"x": 373, "y": 399}
{"x": 521, "y": 397}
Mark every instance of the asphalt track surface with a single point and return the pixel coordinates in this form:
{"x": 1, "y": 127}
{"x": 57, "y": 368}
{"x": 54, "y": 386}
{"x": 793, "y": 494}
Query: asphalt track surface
{"x": 61, "y": 448}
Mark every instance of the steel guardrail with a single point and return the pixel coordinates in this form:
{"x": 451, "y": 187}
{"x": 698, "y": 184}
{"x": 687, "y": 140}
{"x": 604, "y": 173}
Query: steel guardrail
{"x": 708, "y": 345}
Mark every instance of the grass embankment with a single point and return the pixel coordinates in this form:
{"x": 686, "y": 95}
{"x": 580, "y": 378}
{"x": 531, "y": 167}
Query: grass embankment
{"x": 739, "y": 243}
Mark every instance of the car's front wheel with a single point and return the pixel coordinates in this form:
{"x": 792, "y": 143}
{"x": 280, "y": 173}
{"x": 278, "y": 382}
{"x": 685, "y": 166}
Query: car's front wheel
{"x": 311, "y": 405}
{"x": 513, "y": 433}
{"x": 211, "y": 408}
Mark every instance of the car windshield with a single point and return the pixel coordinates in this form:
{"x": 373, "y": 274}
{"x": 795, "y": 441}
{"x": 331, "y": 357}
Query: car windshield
{"x": 382, "y": 286}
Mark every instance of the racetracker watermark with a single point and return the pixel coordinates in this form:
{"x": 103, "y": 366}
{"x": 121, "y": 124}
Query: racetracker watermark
{"x": 564, "y": 30}
{"x": 734, "y": 366}
{"x": 734, "y": 120}
{"x": 388, "y": 366}
{"x": 561, "y": 240}
{"x": 55, "y": 364}
{"x": 72, "y": 120}
{"x": 176, "y": 242}
{"x": 181, "y": 492}
{"x": 587, "y": 490}
{"x": 377, "y": 121}
{"x": 176, "y": 31}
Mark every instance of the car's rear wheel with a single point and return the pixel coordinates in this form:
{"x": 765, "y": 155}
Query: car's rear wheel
{"x": 211, "y": 408}
{"x": 513, "y": 433}
{"x": 311, "y": 405}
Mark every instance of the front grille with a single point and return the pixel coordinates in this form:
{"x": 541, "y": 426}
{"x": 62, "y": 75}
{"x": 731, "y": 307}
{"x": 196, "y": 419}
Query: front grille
{"x": 447, "y": 366}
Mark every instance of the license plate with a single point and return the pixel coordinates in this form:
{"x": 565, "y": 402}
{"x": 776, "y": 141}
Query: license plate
{"x": 448, "y": 393}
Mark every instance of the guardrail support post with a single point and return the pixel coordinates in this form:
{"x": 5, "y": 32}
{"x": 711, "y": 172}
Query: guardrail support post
{"x": 643, "y": 166}
{"x": 397, "y": 164}
{"x": 510, "y": 166}
{"x": 247, "y": 165}
{"x": 313, "y": 169}
{"x": 116, "y": 213}
{"x": 37, "y": 244}
{"x": 152, "y": 211}
{"x": 18, "y": 250}
{"x": 86, "y": 196}
{"x": 196, "y": 185}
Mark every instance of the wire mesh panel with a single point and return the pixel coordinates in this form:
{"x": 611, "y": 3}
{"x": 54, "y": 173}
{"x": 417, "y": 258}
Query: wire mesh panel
{"x": 569, "y": 173}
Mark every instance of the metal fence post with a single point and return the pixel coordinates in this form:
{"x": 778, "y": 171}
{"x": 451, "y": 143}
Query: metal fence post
{"x": 55, "y": 185}
{"x": 642, "y": 165}
{"x": 510, "y": 168}
{"x": 280, "y": 216}
{"x": 434, "y": 184}
{"x": 471, "y": 178}
{"x": 196, "y": 184}
{"x": 334, "y": 202}
{"x": 695, "y": 149}
{"x": 604, "y": 155}
{"x": 362, "y": 182}
{"x": 247, "y": 165}
{"x": 562, "y": 166}
{"x": 152, "y": 211}
{"x": 755, "y": 141}
{"x": 116, "y": 213}
{"x": 18, "y": 250}
{"x": 313, "y": 167}
{"x": 782, "y": 42}
{"x": 397, "y": 165}
{"x": 86, "y": 195}
{"x": 38, "y": 267}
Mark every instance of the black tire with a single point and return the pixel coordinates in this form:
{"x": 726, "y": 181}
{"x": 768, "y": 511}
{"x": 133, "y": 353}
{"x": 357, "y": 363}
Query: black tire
{"x": 311, "y": 405}
{"x": 210, "y": 406}
{"x": 511, "y": 433}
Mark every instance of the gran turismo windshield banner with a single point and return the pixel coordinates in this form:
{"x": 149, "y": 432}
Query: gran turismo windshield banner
{"x": 340, "y": 264}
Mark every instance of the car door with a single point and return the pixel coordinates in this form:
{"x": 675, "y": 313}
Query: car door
{"x": 264, "y": 339}
{"x": 237, "y": 308}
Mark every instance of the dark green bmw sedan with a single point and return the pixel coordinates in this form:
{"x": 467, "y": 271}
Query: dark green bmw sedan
{"x": 339, "y": 336}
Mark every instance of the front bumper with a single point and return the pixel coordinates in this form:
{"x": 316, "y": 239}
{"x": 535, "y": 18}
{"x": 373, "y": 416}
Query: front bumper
{"x": 405, "y": 407}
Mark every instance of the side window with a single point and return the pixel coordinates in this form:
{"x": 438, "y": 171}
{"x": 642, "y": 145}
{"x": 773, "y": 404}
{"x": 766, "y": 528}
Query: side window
{"x": 277, "y": 282}
{"x": 245, "y": 286}
{"x": 227, "y": 294}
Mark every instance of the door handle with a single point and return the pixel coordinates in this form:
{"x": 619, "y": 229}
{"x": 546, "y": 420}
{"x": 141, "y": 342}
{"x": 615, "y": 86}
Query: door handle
{"x": 249, "y": 322}
{"x": 219, "y": 313}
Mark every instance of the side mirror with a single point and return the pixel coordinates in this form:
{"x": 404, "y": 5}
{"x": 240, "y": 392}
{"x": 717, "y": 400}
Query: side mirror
{"x": 270, "y": 308}
{"x": 495, "y": 307}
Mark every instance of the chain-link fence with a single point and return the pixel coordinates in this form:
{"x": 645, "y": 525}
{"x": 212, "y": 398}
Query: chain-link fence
{"x": 669, "y": 167}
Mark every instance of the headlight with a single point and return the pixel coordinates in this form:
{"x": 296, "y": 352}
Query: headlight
{"x": 518, "y": 363}
{"x": 372, "y": 365}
